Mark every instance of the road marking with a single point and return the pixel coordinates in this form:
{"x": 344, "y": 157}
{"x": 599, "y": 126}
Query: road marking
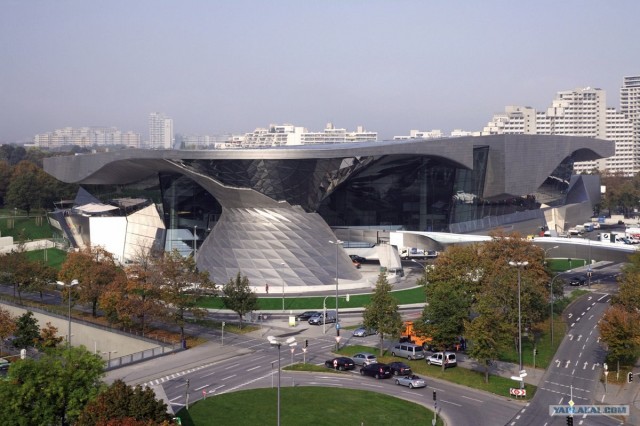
{"x": 584, "y": 346}
{"x": 253, "y": 368}
{"x": 207, "y": 375}
{"x": 585, "y": 365}
{"x": 573, "y": 372}
{"x": 473, "y": 399}
{"x": 557, "y": 363}
{"x": 573, "y": 324}
{"x": 567, "y": 364}
{"x": 579, "y": 337}
{"x": 570, "y": 336}
{"x": 590, "y": 317}
{"x": 579, "y": 356}
{"x": 201, "y": 387}
{"x": 228, "y": 377}
{"x": 602, "y": 297}
{"x": 578, "y": 319}
{"x": 452, "y": 403}
{"x": 588, "y": 307}
{"x": 569, "y": 316}
{"x": 582, "y": 314}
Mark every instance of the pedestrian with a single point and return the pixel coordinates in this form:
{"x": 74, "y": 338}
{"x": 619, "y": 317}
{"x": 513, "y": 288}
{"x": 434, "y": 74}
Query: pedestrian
{"x": 266, "y": 288}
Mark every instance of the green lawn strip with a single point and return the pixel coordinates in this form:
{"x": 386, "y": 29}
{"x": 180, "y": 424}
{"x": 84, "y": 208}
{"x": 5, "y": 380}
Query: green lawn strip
{"x": 229, "y": 327}
{"x": 304, "y": 405}
{"x": 54, "y": 257}
{"x": 474, "y": 379}
{"x": 11, "y": 226}
{"x": 404, "y": 297}
{"x": 563, "y": 264}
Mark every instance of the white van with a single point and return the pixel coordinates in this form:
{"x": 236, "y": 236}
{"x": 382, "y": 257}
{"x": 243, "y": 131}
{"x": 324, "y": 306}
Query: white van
{"x": 448, "y": 357}
{"x": 408, "y": 350}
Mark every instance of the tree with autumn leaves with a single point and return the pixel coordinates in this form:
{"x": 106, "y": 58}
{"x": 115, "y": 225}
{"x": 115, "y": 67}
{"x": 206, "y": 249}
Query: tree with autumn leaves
{"x": 620, "y": 324}
{"x": 472, "y": 291}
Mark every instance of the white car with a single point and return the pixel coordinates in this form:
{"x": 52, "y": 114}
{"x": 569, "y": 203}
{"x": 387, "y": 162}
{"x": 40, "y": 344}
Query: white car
{"x": 412, "y": 381}
{"x": 448, "y": 357}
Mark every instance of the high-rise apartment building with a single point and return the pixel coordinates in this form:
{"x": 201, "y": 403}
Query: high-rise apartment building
{"x": 579, "y": 112}
{"x": 630, "y": 106}
{"x": 160, "y": 131}
{"x": 87, "y": 137}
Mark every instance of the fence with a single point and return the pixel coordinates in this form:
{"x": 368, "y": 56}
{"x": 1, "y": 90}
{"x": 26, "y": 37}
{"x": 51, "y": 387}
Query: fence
{"x": 113, "y": 363}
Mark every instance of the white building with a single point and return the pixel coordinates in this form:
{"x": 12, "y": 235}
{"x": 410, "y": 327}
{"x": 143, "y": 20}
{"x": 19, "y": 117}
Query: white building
{"x": 288, "y": 134}
{"x": 579, "y": 112}
{"x": 86, "y": 137}
{"x": 160, "y": 131}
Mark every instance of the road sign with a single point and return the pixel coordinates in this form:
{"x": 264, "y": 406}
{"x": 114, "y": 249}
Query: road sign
{"x": 338, "y": 325}
{"x": 518, "y": 392}
{"x": 516, "y": 378}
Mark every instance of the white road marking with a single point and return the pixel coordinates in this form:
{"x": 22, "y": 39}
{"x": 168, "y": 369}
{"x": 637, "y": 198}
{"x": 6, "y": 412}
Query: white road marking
{"x": 228, "y": 377}
{"x": 452, "y": 403}
{"x": 473, "y": 399}
{"x": 201, "y": 387}
{"x": 253, "y": 368}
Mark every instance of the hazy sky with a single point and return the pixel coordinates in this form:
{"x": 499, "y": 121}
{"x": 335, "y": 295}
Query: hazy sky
{"x": 231, "y": 66}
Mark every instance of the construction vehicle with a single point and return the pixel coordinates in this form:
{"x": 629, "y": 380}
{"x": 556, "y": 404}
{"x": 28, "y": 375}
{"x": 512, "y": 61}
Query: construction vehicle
{"x": 409, "y": 335}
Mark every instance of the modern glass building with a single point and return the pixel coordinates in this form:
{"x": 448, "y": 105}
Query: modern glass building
{"x": 273, "y": 213}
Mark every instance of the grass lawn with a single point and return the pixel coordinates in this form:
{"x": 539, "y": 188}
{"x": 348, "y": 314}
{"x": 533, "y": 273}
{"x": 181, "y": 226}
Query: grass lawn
{"x": 413, "y": 295}
{"x": 305, "y": 406}
{"x": 34, "y": 227}
{"x": 53, "y": 256}
{"x": 462, "y": 376}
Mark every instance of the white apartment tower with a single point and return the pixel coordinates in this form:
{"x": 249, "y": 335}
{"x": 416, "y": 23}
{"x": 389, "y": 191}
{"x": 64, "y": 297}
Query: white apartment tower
{"x": 160, "y": 131}
{"x": 579, "y": 112}
{"x": 630, "y": 107}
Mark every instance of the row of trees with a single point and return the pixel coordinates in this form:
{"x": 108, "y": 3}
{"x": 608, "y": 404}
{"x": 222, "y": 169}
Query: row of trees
{"x": 620, "y": 325}
{"x": 473, "y": 291}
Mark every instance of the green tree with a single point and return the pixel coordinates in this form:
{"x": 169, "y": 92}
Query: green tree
{"x": 52, "y": 389}
{"x": 382, "y": 313}
{"x": 120, "y": 402}
{"x": 24, "y": 190}
{"x": 27, "y": 331}
{"x": 239, "y": 297}
{"x": 49, "y": 337}
{"x": 5, "y": 178}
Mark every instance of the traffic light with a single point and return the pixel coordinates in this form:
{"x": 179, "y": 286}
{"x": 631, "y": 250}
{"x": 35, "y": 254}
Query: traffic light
{"x": 306, "y": 343}
{"x": 570, "y": 421}
{"x": 629, "y": 377}
{"x": 434, "y": 395}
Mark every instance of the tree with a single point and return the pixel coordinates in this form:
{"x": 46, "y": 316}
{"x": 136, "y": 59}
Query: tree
{"x": 382, "y": 313}
{"x": 50, "y": 390}
{"x": 94, "y": 268}
{"x": 180, "y": 284}
{"x": 7, "y": 326}
{"x": 124, "y": 403}
{"x": 5, "y": 178}
{"x": 49, "y": 337}
{"x": 27, "y": 331}
{"x": 24, "y": 190}
{"x": 239, "y": 297}
{"x": 628, "y": 296}
{"x": 620, "y": 330}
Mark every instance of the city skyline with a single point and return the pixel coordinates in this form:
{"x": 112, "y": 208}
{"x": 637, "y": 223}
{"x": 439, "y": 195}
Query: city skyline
{"x": 218, "y": 68}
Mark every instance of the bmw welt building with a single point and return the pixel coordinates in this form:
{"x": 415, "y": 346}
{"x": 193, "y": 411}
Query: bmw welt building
{"x": 288, "y": 215}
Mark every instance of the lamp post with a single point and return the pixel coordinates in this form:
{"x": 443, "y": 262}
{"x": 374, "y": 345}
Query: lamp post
{"x": 71, "y": 284}
{"x": 283, "y": 265}
{"x": 545, "y": 253}
{"x": 195, "y": 247}
{"x": 291, "y": 341}
{"x": 418, "y": 263}
{"x": 519, "y": 265}
{"x": 337, "y": 244}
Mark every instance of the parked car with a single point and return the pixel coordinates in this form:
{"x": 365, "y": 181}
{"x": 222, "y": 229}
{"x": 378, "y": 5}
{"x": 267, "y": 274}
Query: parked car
{"x": 364, "y": 358}
{"x": 306, "y": 315}
{"x": 577, "y": 281}
{"x": 341, "y": 363}
{"x": 377, "y": 370}
{"x": 437, "y": 358}
{"x": 412, "y": 381}
{"x": 363, "y": 332}
{"x": 356, "y": 258}
{"x": 400, "y": 369}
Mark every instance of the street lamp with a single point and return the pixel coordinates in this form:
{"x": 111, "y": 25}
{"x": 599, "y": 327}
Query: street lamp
{"x": 551, "y": 292}
{"x": 71, "y": 284}
{"x": 291, "y": 341}
{"x": 545, "y": 253}
{"x": 283, "y": 265}
{"x": 195, "y": 247}
{"x": 423, "y": 266}
{"x": 519, "y": 265}
{"x": 337, "y": 244}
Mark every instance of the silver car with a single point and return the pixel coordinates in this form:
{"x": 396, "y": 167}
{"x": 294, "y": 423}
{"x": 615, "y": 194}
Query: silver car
{"x": 412, "y": 381}
{"x": 364, "y": 358}
{"x": 363, "y": 332}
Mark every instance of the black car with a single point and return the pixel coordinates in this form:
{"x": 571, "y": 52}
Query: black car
{"x": 400, "y": 369}
{"x": 377, "y": 370}
{"x": 306, "y": 315}
{"x": 356, "y": 258}
{"x": 341, "y": 363}
{"x": 577, "y": 281}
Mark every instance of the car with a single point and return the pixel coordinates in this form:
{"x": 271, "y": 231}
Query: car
{"x": 577, "y": 281}
{"x": 356, "y": 258}
{"x": 356, "y": 264}
{"x": 438, "y": 357}
{"x": 363, "y": 332}
{"x": 364, "y": 358}
{"x": 318, "y": 318}
{"x": 341, "y": 363}
{"x": 400, "y": 369}
{"x": 412, "y": 381}
{"x": 306, "y": 315}
{"x": 377, "y": 370}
